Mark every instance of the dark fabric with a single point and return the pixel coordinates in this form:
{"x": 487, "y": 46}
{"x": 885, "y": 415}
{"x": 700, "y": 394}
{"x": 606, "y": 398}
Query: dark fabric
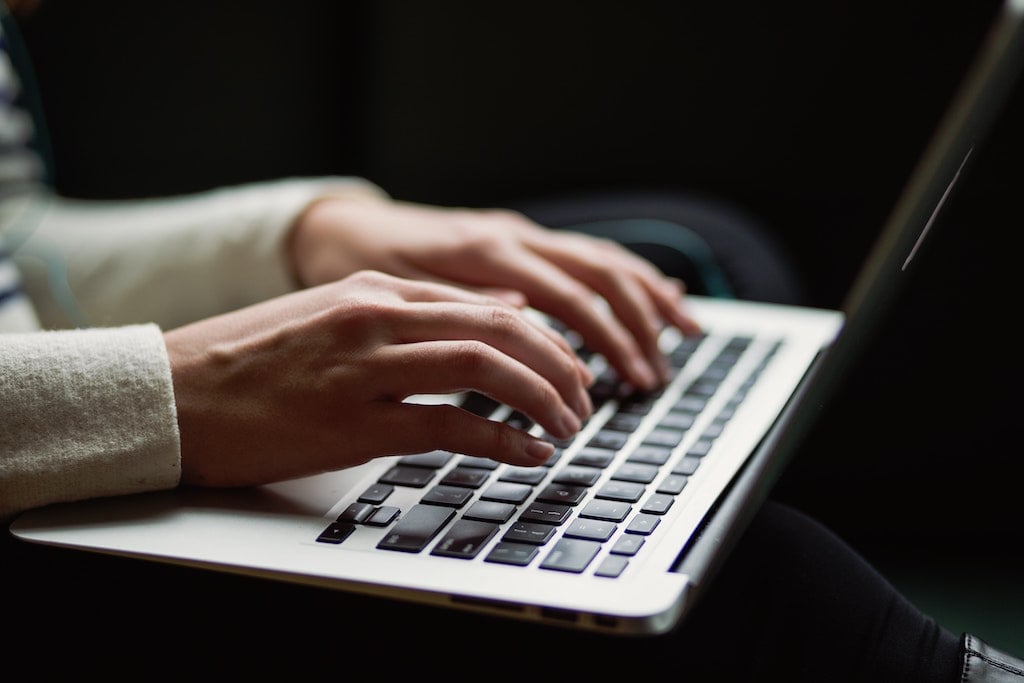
{"x": 794, "y": 603}
{"x": 744, "y": 258}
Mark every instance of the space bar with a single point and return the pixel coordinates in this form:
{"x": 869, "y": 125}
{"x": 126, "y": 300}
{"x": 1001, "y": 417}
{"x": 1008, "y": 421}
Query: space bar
{"x": 416, "y": 528}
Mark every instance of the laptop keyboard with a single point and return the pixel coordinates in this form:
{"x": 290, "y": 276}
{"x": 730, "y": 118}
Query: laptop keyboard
{"x": 609, "y": 486}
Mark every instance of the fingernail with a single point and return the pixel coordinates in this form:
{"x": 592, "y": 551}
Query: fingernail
{"x": 585, "y": 372}
{"x": 647, "y": 377}
{"x": 570, "y": 422}
{"x": 584, "y": 406}
{"x": 539, "y": 450}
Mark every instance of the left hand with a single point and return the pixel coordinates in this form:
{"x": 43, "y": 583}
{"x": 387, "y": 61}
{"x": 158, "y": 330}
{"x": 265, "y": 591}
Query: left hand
{"x": 503, "y": 253}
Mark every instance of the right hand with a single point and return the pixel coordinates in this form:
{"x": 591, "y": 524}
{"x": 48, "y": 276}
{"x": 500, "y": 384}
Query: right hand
{"x": 315, "y": 381}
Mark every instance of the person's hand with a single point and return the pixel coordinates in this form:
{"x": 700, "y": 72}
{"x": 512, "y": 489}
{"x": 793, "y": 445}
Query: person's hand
{"x": 558, "y": 272}
{"x": 315, "y": 381}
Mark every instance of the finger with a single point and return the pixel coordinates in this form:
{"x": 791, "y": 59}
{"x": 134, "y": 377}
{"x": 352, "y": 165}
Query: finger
{"x": 444, "y": 367}
{"x": 590, "y": 259}
{"x": 554, "y": 291}
{"x": 446, "y": 427}
{"x": 508, "y": 330}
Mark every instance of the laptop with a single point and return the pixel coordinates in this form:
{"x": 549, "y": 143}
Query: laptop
{"x": 625, "y": 526}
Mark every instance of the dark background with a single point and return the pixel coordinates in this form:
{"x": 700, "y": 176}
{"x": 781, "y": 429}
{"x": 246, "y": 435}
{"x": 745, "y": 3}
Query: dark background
{"x": 809, "y": 116}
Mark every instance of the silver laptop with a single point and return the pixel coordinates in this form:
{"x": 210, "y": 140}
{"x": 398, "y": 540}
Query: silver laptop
{"x": 623, "y": 528}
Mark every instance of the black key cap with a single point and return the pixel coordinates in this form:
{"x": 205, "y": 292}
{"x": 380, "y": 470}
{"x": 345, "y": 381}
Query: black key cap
{"x": 608, "y": 439}
{"x": 579, "y": 476}
{"x": 590, "y": 456}
{"x": 636, "y": 472}
{"x": 612, "y": 566}
{"x": 512, "y": 553}
{"x": 593, "y": 529}
{"x": 673, "y": 484}
{"x": 624, "y": 422}
{"x": 526, "y": 532}
{"x": 417, "y": 528}
{"x": 687, "y": 466}
{"x": 650, "y": 455}
{"x": 658, "y": 504}
{"x": 465, "y": 539}
{"x": 524, "y": 475}
{"x": 571, "y": 555}
{"x": 507, "y": 492}
{"x": 664, "y": 436}
{"x": 627, "y": 544}
{"x": 356, "y": 513}
{"x": 470, "y": 477}
{"x": 336, "y": 532}
{"x": 377, "y": 493}
{"x": 480, "y": 405}
{"x": 627, "y": 491}
{"x": 383, "y": 516}
{"x": 643, "y": 524}
{"x": 452, "y": 496}
{"x": 546, "y": 513}
{"x": 562, "y": 494}
{"x": 490, "y": 511}
{"x": 402, "y": 475}
{"x": 610, "y": 510}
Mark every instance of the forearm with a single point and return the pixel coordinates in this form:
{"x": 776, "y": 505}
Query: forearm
{"x": 169, "y": 261}
{"x": 85, "y": 413}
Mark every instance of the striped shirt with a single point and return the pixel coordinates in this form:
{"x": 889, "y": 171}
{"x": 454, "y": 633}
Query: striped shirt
{"x": 21, "y": 170}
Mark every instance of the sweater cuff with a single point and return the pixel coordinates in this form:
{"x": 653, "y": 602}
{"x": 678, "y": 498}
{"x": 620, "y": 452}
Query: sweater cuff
{"x": 85, "y": 413}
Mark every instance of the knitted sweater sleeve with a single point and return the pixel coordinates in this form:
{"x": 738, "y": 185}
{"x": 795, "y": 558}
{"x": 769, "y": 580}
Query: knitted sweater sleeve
{"x": 168, "y": 261}
{"x": 85, "y": 413}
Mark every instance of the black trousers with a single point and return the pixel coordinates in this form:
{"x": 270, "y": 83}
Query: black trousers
{"x": 792, "y": 603}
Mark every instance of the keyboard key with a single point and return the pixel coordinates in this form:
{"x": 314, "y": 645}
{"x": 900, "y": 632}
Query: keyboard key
{"x": 375, "y": 494}
{"x": 627, "y": 491}
{"x": 627, "y": 544}
{"x": 643, "y": 524}
{"x": 687, "y": 465}
{"x": 452, "y": 496}
{"x": 383, "y": 516}
{"x": 657, "y": 504}
{"x": 562, "y": 494}
{"x": 576, "y": 475}
{"x": 673, "y": 484}
{"x": 593, "y": 529}
{"x": 470, "y": 477}
{"x": 465, "y": 539}
{"x": 356, "y": 513}
{"x": 417, "y": 528}
{"x": 612, "y": 566}
{"x": 524, "y": 475}
{"x": 610, "y": 510}
{"x": 512, "y": 553}
{"x": 589, "y": 456}
{"x": 637, "y": 472}
{"x": 527, "y": 532}
{"x": 490, "y": 511}
{"x": 546, "y": 513}
{"x": 571, "y": 555}
{"x": 651, "y": 455}
{"x": 336, "y": 532}
{"x": 507, "y": 492}
{"x": 403, "y": 475}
